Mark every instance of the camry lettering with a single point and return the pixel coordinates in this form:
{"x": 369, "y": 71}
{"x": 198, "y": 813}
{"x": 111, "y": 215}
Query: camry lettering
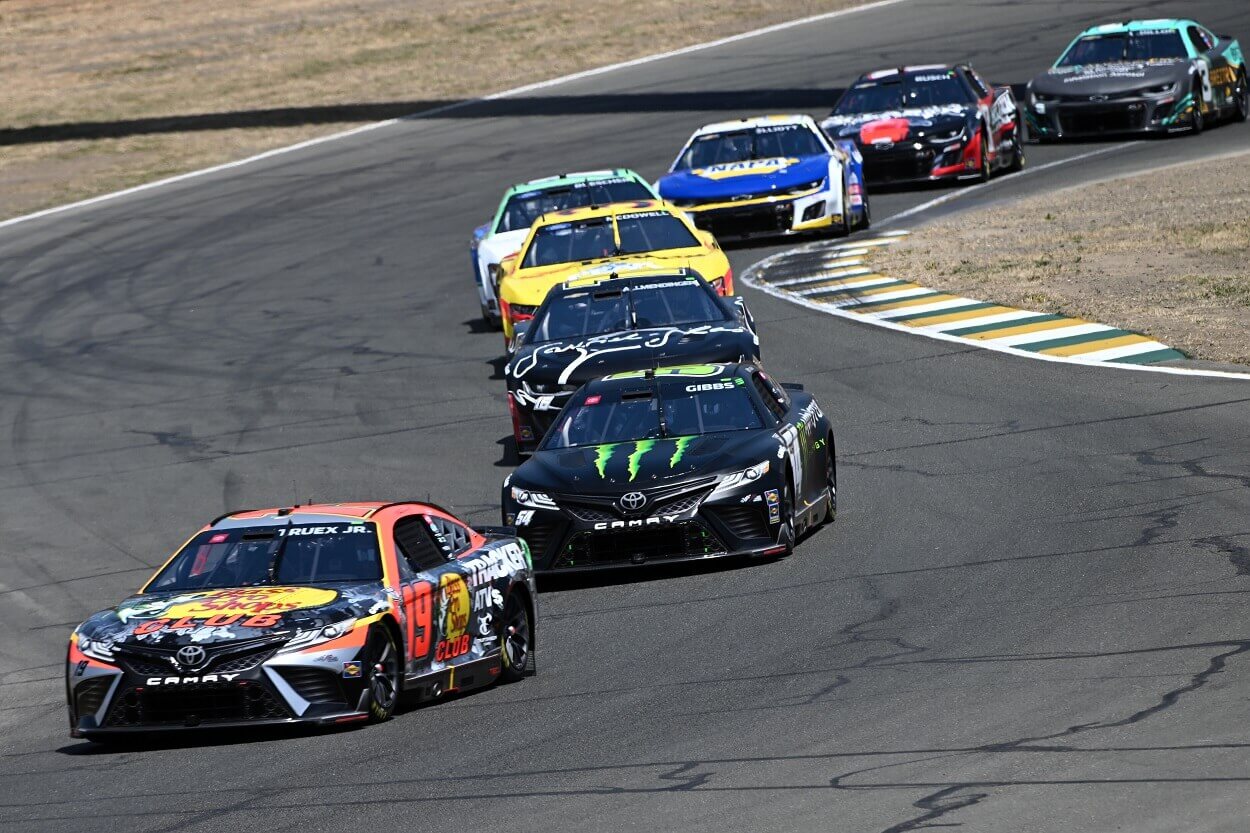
{"x": 652, "y": 521}
{"x": 199, "y": 680}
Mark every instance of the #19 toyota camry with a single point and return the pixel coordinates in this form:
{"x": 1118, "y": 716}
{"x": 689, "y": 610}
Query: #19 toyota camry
{"x": 313, "y": 614}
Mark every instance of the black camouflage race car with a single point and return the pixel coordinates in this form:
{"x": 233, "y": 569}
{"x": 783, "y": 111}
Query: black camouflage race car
{"x": 1140, "y": 76}
{"x": 929, "y": 123}
{"x": 591, "y": 327}
{"x": 320, "y": 614}
{"x": 675, "y": 464}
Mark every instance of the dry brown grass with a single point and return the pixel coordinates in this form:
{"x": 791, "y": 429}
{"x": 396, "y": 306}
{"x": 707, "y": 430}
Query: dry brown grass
{"x": 72, "y": 61}
{"x": 1166, "y": 253}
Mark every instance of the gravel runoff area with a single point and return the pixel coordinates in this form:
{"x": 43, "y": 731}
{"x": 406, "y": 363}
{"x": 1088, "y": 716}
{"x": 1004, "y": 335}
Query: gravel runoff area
{"x": 1165, "y": 253}
{"x": 104, "y": 94}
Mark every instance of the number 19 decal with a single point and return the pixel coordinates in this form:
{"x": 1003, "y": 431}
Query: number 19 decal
{"x": 419, "y": 605}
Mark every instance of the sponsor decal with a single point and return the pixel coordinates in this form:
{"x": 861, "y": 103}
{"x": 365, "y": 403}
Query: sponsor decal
{"x": 82, "y": 666}
{"x": 491, "y": 566}
{"x": 916, "y": 116}
{"x": 524, "y": 517}
{"x": 452, "y": 648}
{"x": 773, "y": 499}
{"x": 453, "y": 605}
{"x": 726, "y": 385}
{"x": 749, "y": 167}
{"x": 218, "y": 608}
{"x": 605, "y": 453}
{"x": 885, "y": 132}
{"x": 352, "y": 670}
{"x": 642, "y": 215}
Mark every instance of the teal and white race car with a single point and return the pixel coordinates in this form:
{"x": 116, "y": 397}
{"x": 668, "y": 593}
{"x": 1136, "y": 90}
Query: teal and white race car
{"x": 524, "y": 203}
{"x": 1141, "y": 76}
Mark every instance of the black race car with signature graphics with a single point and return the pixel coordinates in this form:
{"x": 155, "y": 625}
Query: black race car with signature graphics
{"x": 675, "y": 464}
{"x": 591, "y": 327}
{"x": 1140, "y": 76}
{"x": 314, "y": 614}
{"x": 927, "y": 123}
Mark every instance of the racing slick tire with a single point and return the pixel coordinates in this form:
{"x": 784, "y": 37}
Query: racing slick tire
{"x": 831, "y": 488}
{"x": 866, "y": 220}
{"x": 1017, "y": 156}
{"x": 788, "y": 532}
{"x": 1198, "y": 120}
{"x": 382, "y": 673}
{"x": 515, "y": 639}
{"x": 986, "y": 171}
{"x": 1241, "y": 111}
{"x": 848, "y": 222}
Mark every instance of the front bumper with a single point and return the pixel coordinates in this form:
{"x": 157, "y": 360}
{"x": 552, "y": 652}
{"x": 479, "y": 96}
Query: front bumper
{"x": 681, "y": 523}
{"x": 1073, "y": 119}
{"x": 141, "y": 692}
{"x": 768, "y": 216}
{"x": 914, "y": 162}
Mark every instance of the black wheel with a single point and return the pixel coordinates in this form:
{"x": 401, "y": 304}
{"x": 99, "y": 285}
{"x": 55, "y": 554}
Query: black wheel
{"x": 516, "y": 639}
{"x": 831, "y": 486}
{"x": 1017, "y": 157}
{"x": 866, "y": 220}
{"x": 786, "y": 535}
{"x": 848, "y": 221}
{"x": 986, "y": 172}
{"x": 1241, "y": 97}
{"x": 381, "y": 674}
{"x": 1198, "y": 121}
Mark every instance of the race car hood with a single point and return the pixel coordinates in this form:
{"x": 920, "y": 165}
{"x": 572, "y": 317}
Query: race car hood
{"x": 642, "y": 464}
{"x": 757, "y": 177}
{"x": 1108, "y": 79}
{"x": 210, "y": 617}
{"x": 894, "y": 126}
{"x": 576, "y": 362}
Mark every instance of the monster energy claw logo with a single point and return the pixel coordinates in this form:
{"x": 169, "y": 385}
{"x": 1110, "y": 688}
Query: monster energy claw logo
{"x": 604, "y": 453}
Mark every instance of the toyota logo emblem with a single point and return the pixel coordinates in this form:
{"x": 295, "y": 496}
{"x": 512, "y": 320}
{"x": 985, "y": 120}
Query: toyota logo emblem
{"x": 191, "y": 657}
{"x": 633, "y": 501}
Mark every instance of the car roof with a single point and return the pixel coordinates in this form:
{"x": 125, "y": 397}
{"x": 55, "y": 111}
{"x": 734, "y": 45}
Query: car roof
{"x": 312, "y": 513}
{"x": 755, "y": 121}
{"x": 719, "y": 370}
{"x": 890, "y": 72}
{"x": 1138, "y": 25}
{"x": 614, "y": 279}
{"x": 573, "y": 178}
{"x": 590, "y": 212}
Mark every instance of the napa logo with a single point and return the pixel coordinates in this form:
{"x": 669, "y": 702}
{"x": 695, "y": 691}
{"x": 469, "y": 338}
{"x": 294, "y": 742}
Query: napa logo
{"x": 749, "y": 167}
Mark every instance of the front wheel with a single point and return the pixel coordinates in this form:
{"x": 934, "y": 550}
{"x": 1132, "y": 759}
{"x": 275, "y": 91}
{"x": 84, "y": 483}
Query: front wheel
{"x": 516, "y": 636}
{"x": 1242, "y": 98}
{"x": 1017, "y": 158}
{"x": 1198, "y": 120}
{"x": 786, "y": 535}
{"x": 984, "y": 174}
{"x": 381, "y": 666}
{"x": 831, "y": 487}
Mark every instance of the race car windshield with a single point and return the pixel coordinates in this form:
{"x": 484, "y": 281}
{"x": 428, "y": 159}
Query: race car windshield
{"x": 769, "y": 142}
{"x": 1160, "y": 45}
{"x": 670, "y": 303}
{"x": 914, "y": 90}
{"x": 691, "y": 407}
{"x": 592, "y": 239}
{"x": 522, "y": 210}
{"x": 295, "y": 554}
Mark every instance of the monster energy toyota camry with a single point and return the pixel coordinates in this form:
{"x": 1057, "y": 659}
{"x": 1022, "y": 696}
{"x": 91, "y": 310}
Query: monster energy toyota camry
{"x": 679, "y": 463}
{"x": 594, "y": 326}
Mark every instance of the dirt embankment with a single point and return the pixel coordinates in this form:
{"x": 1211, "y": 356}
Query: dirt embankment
{"x": 1166, "y": 253}
{"x": 89, "y": 85}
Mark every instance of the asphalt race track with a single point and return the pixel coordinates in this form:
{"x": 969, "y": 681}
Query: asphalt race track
{"x": 1030, "y": 615}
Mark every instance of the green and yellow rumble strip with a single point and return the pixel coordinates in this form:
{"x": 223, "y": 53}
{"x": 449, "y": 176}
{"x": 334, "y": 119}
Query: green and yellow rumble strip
{"x": 841, "y": 276}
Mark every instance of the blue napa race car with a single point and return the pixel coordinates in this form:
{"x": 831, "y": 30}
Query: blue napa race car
{"x": 770, "y": 175}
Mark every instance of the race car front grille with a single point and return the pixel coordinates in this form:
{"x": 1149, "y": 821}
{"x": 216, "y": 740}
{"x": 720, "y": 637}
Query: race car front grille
{"x": 242, "y": 662}
{"x": 590, "y": 514}
{"x": 680, "y": 505}
{"x": 769, "y": 218}
{"x": 316, "y": 685}
{"x": 193, "y": 705}
{"x": 898, "y": 167}
{"x": 637, "y": 546}
{"x": 1088, "y": 121}
{"x": 744, "y": 520}
{"x": 90, "y": 694}
{"x": 223, "y": 658}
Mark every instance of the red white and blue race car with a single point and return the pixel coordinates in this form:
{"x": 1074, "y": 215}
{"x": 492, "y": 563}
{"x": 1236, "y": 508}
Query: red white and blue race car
{"x": 926, "y": 123}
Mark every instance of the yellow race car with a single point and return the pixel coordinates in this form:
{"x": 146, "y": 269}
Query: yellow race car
{"x": 601, "y": 240}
